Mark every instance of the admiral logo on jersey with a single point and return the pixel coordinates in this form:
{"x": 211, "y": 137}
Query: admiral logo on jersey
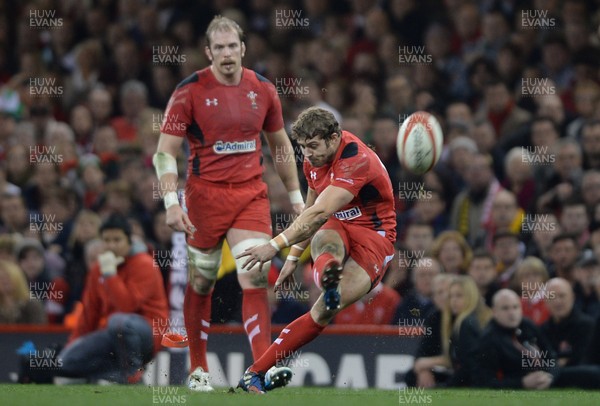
{"x": 348, "y": 214}
{"x": 235, "y": 147}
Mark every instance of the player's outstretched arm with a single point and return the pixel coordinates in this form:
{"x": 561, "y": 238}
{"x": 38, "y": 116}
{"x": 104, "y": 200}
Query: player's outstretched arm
{"x": 305, "y": 226}
{"x": 165, "y": 164}
{"x": 285, "y": 165}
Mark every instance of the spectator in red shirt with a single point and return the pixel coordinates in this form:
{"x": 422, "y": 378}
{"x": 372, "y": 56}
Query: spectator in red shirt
{"x": 530, "y": 279}
{"x": 123, "y": 299}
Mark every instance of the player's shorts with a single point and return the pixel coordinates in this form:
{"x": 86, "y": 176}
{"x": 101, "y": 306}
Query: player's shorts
{"x": 214, "y": 208}
{"x": 369, "y": 249}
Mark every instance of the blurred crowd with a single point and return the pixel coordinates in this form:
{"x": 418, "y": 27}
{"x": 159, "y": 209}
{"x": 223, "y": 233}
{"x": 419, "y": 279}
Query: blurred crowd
{"x": 514, "y": 201}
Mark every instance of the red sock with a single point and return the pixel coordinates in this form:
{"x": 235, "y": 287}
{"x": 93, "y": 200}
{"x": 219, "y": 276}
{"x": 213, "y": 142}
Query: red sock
{"x": 299, "y": 332}
{"x": 257, "y": 320}
{"x": 321, "y": 263}
{"x": 196, "y": 314}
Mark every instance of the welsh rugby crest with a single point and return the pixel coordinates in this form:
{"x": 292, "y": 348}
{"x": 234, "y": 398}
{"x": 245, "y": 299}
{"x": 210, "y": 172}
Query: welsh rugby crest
{"x": 252, "y": 96}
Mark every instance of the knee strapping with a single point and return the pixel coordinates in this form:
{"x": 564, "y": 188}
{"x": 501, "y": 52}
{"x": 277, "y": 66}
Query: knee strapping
{"x": 206, "y": 265}
{"x": 241, "y": 247}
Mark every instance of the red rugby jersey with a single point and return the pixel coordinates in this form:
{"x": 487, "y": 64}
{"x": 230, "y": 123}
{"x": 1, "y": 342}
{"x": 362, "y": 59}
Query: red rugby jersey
{"x": 222, "y": 124}
{"x": 359, "y": 170}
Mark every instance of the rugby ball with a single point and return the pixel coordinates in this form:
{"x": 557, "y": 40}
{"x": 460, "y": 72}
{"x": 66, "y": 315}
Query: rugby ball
{"x": 420, "y": 141}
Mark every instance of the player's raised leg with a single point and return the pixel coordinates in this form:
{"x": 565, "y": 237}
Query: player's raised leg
{"x": 203, "y": 265}
{"x": 354, "y": 284}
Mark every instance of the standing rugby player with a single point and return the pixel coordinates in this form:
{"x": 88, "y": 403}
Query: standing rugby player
{"x": 351, "y": 218}
{"x": 221, "y": 111}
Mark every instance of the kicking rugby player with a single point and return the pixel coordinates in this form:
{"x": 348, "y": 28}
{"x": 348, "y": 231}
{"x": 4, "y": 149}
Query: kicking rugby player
{"x": 351, "y": 218}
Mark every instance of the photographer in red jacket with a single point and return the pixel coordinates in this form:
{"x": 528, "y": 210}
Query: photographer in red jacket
{"x": 123, "y": 298}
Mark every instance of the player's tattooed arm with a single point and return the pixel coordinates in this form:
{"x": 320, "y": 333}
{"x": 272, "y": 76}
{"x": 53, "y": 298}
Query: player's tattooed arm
{"x": 306, "y": 225}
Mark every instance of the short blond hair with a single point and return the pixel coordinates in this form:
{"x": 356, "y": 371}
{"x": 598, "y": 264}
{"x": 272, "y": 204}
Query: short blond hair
{"x": 534, "y": 266}
{"x": 220, "y": 23}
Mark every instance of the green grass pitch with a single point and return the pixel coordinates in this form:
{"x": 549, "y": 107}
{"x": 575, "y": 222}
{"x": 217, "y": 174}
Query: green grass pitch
{"x": 89, "y": 395}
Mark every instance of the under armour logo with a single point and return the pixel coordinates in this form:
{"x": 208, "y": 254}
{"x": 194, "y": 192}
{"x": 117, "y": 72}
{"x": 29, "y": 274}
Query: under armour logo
{"x": 376, "y": 268}
{"x": 213, "y": 101}
{"x": 313, "y": 175}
